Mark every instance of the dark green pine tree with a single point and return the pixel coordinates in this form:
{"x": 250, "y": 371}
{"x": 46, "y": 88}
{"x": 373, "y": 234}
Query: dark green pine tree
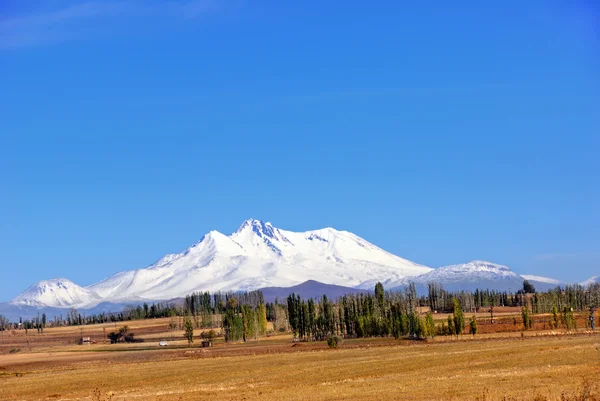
{"x": 528, "y": 288}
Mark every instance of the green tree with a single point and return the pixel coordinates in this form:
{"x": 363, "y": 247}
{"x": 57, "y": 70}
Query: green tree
{"x": 233, "y": 326}
{"x": 451, "y": 329}
{"x": 458, "y": 317}
{"x": 189, "y": 331}
{"x": 261, "y": 315}
{"x": 555, "y": 323}
{"x": 294, "y": 313}
{"x": 380, "y": 296}
{"x": 429, "y": 325}
{"x": 568, "y": 319}
{"x": 334, "y": 341}
{"x": 527, "y": 319}
{"x": 528, "y": 288}
{"x": 473, "y": 325}
{"x": 249, "y": 322}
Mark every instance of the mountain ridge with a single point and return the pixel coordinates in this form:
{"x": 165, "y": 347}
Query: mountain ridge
{"x": 258, "y": 255}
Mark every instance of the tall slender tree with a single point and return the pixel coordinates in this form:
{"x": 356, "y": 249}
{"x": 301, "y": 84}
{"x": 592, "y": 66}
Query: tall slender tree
{"x": 189, "y": 331}
{"x": 458, "y": 317}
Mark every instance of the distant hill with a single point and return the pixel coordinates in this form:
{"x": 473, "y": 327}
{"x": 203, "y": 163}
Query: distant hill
{"x": 308, "y": 289}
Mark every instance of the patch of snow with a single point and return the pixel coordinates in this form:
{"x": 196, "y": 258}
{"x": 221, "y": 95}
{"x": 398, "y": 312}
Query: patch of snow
{"x": 540, "y": 279}
{"x": 590, "y": 281}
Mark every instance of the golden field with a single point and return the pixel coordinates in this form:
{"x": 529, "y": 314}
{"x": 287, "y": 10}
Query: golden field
{"x": 541, "y": 365}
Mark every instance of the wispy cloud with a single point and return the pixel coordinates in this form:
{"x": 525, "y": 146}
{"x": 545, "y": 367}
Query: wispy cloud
{"x": 65, "y": 23}
{"x": 555, "y": 256}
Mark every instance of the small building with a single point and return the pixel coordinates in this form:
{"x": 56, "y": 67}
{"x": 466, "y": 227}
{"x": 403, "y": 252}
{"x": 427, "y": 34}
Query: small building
{"x": 206, "y": 343}
{"x": 85, "y": 341}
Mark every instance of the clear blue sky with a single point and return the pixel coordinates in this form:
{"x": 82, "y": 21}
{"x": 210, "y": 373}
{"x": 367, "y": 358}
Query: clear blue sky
{"x": 443, "y": 134}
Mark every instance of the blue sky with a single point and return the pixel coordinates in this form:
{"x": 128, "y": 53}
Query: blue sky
{"x": 129, "y": 129}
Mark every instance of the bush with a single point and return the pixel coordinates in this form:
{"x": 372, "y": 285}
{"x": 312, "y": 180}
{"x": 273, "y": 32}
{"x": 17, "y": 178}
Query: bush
{"x": 123, "y": 336}
{"x": 334, "y": 341}
{"x": 15, "y": 350}
{"x": 208, "y": 335}
{"x": 473, "y": 325}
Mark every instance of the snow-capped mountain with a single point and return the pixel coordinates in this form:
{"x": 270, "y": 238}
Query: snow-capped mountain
{"x": 57, "y": 293}
{"x": 468, "y": 276}
{"x": 257, "y": 255}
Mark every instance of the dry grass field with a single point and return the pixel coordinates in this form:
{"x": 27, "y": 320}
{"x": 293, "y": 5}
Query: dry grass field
{"x": 503, "y": 366}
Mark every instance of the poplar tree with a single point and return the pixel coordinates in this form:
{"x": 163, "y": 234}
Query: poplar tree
{"x": 555, "y": 320}
{"x": 527, "y": 320}
{"x": 261, "y": 316}
{"x": 429, "y": 325}
{"x": 458, "y": 318}
{"x": 473, "y": 325}
{"x": 189, "y": 331}
{"x": 293, "y": 313}
{"x": 380, "y": 296}
{"x": 451, "y": 330}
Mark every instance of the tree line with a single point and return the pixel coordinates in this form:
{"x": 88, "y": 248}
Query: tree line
{"x": 359, "y": 315}
{"x": 244, "y": 315}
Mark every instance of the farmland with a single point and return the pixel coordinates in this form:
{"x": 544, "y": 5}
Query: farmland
{"x": 538, "y": 364}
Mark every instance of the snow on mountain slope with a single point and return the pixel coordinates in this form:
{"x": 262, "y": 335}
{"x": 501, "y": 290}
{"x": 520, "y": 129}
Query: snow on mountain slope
{"x": 543, "y": 283}
{"x": 541, "y": 279}
{"x": 469, "y": 276}
{"x": 259, "y": 255}
{"x": 590, "y": 281}
{"x": 57, "y": 293}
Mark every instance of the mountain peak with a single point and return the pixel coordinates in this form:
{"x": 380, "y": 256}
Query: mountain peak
{"x": 57, "y": 292}
{"x": 57, "y": 281}
{"x": 487, "y": 265}
{"x": 256, "y": 226}
{"x": 53, "y": 282}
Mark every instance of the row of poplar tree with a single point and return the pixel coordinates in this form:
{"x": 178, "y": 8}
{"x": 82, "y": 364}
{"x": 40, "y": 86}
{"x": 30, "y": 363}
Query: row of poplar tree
{"x": 379, "y": 313}
{"x": 366, "y": 315}
{"x": 576, "y": 297}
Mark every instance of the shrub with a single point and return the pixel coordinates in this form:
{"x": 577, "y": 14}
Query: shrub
{"x": 473, "y": 325}
{"x": 208, "y": 335}
{"x": 15, "y": 350}
{"x": 123, "y": 335}
{"x": 334, "y": 341}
